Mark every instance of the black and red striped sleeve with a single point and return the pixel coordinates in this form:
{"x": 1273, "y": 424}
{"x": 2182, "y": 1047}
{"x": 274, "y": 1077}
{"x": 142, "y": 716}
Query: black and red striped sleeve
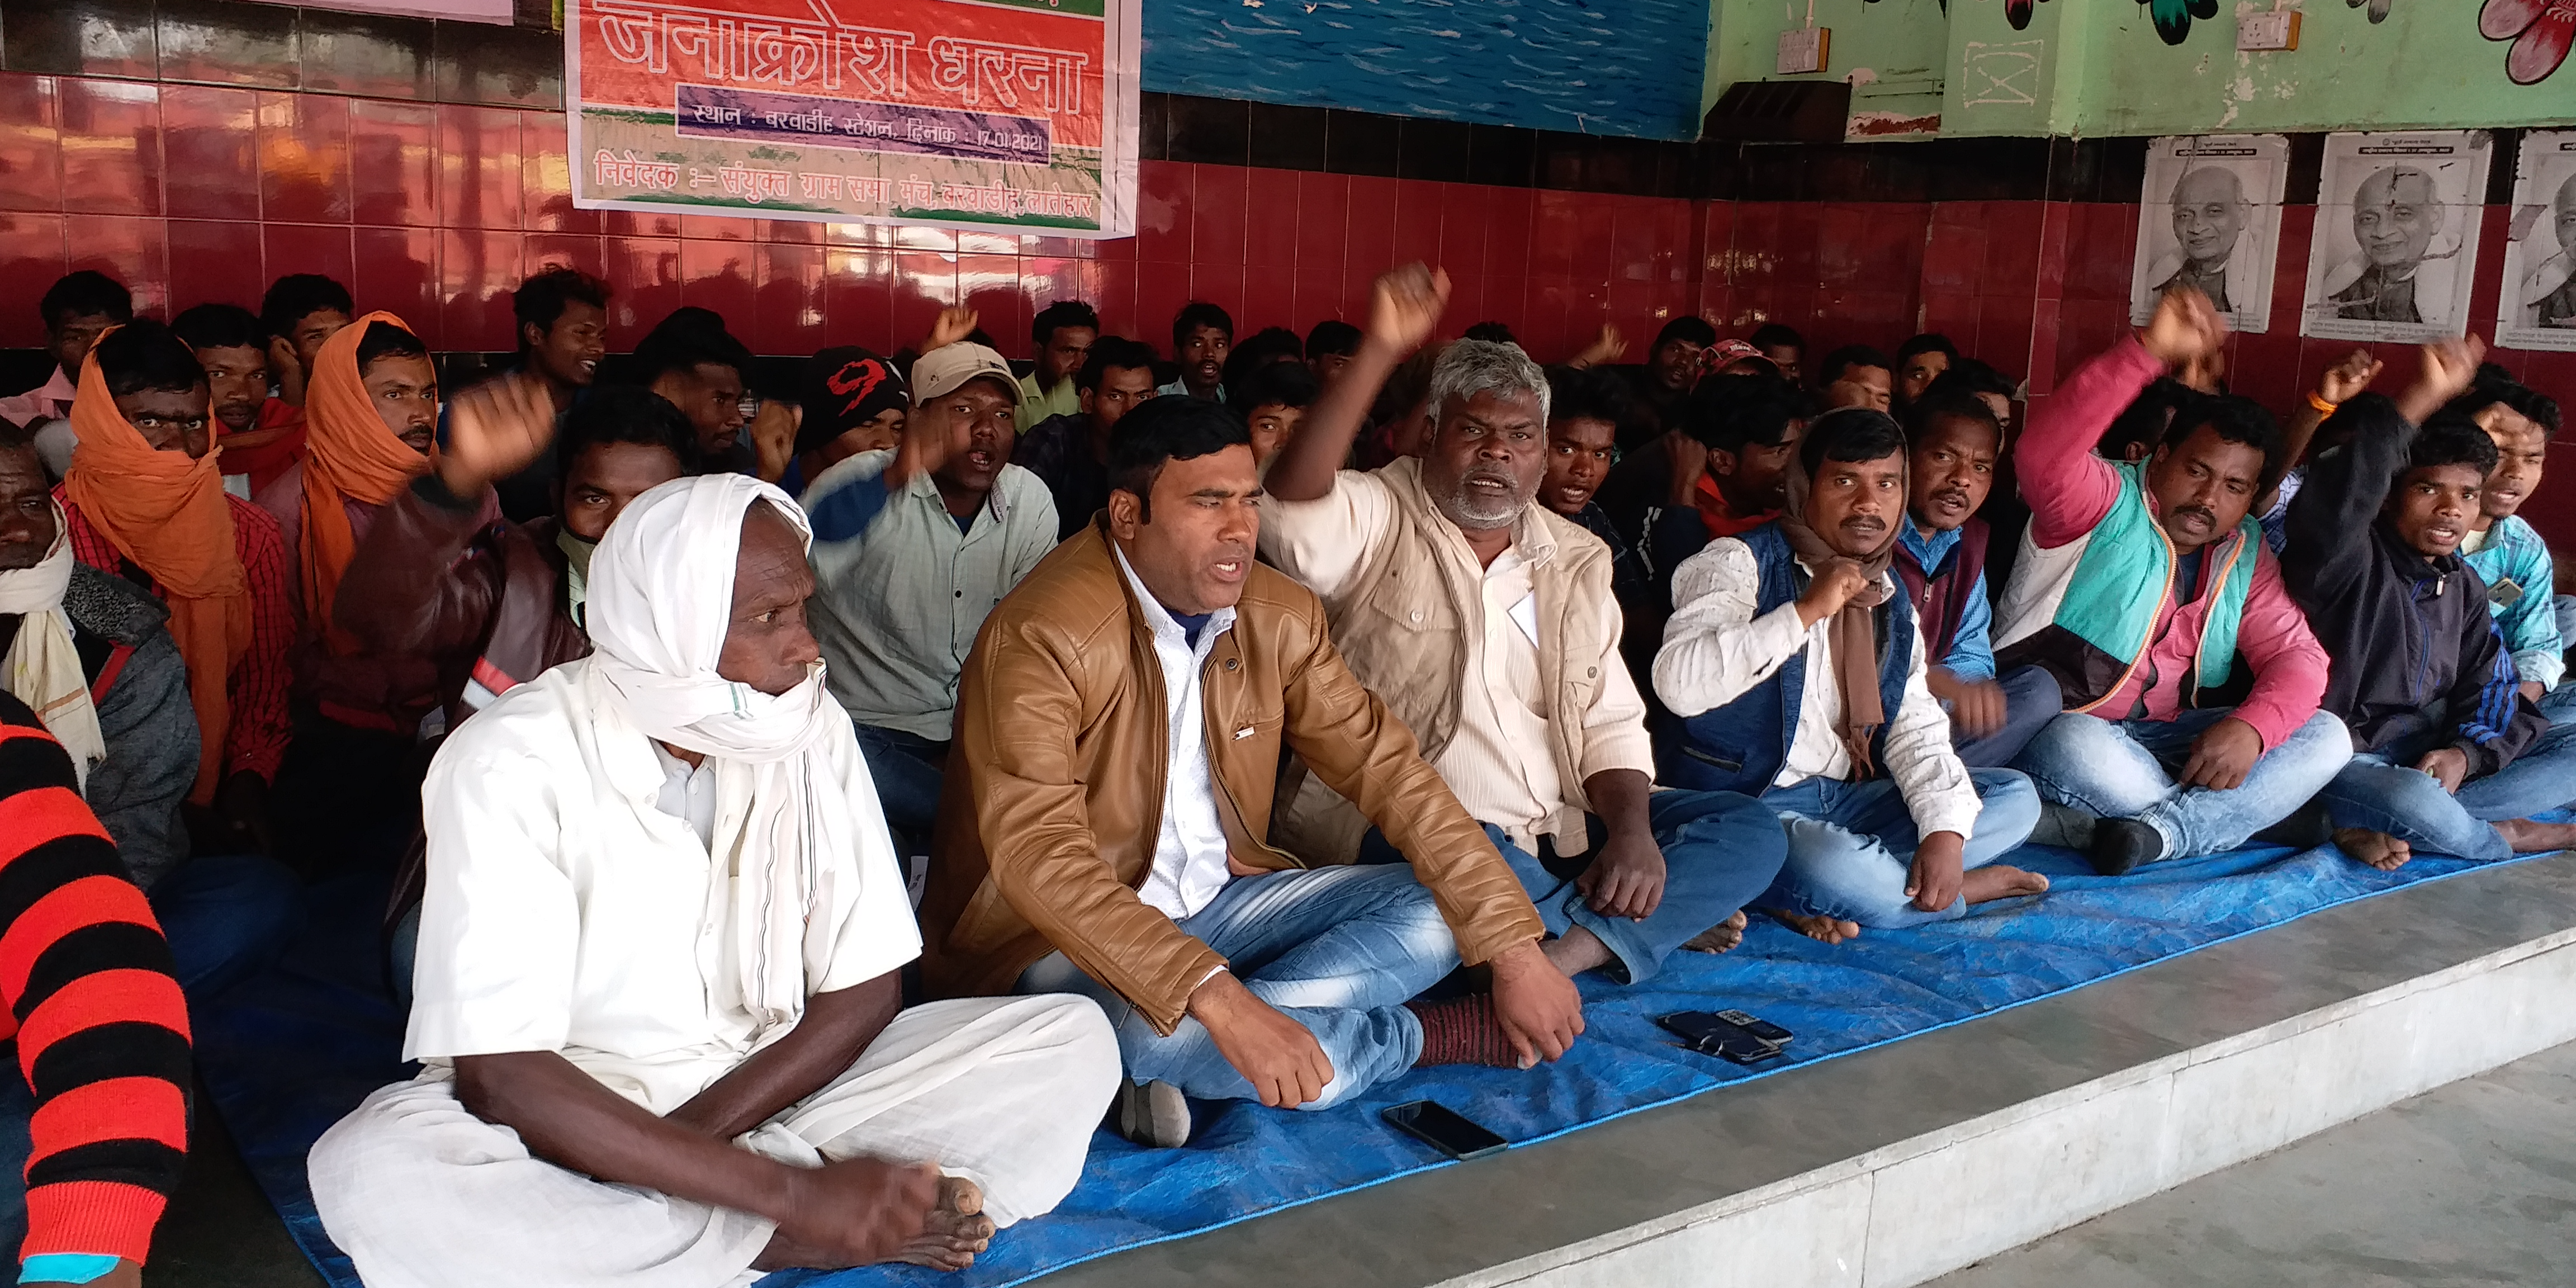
{"x": 94, "y": 1006}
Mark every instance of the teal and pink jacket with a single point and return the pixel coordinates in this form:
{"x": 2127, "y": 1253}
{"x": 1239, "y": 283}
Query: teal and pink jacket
{"x": 2093, "y": 597}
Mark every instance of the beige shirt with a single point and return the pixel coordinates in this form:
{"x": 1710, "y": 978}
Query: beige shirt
{"x": 1498, "y": 763}
{"x": 1716, "y": 648}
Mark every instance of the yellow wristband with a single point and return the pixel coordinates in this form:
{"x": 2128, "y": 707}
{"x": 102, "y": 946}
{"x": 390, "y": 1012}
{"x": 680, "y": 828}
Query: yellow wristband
{"x": 2323, "y": 407}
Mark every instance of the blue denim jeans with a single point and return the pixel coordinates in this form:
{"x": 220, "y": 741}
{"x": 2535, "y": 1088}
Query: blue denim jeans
{"x": 907, "y": 770}
{"x": 2031, "y": 700}
{"x": 2126, "y": 769}
{"x": 1851, "y": 845}
{"x": 226, "y": 916}
{"x": 2384, "y": 792}
{"x": 2559, "y": 704}
{"x": 1720, "y": 850}
{"x": 1339, "y": 950}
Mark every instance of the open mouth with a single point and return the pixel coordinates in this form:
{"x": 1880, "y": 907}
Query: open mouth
{"x": 417, "y": 440}
{"x": 1230, "y": 569}
{"x": 1574, "y": 497}
{"x": 588, "y": 366}
{"x": 980, "y": 459}
{"x": 1950, "y": 501}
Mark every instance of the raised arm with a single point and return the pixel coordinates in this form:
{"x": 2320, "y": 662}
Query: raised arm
{"x": 2347, "y": 379}
{"x": 1404, "y": 307}
{"x": 2068, "y": 488}
{"x": 2329, "y": 520}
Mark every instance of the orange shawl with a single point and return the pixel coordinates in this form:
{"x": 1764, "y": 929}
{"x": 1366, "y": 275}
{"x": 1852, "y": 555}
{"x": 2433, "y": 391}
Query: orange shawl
{"x": 349, "y": 456}
{"x": 168, "y": 514}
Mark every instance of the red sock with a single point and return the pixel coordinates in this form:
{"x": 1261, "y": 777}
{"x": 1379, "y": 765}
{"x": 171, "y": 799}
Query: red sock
{"x": 1463, "y": 1030}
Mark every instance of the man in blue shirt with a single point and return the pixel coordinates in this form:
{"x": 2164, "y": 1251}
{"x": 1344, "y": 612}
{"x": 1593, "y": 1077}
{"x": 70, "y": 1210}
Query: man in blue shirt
{"x": 1941, "y": 558}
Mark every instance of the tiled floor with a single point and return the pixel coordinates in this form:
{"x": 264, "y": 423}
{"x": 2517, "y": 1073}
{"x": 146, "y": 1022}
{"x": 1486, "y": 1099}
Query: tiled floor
{"x": 2472, "y": 1184}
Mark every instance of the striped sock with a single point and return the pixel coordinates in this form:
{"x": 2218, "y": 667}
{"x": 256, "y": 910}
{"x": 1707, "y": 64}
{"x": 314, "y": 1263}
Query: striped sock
{"x": 1463, "y": 1030}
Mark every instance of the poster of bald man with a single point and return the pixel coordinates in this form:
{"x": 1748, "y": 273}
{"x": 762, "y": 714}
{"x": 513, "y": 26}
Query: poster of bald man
{"x": 2210, "y": 217}
{"x": 2538, "y": 304}
{"x": 2397, "y": 236}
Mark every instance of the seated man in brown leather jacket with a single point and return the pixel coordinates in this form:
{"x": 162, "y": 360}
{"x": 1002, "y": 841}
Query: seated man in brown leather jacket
{"x": 1119, "y": 732}
{"x": 490, "y": 603}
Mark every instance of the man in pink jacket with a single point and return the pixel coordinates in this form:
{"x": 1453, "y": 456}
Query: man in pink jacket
{"x": 2138, "y": 586}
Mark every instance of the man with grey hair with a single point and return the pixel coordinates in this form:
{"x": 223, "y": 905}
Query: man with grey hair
{"x": 1487, "y": 624}
{"x": 2209, "y": 217}
{"x": 2396, "y": 213}
{"x": 2549, "y": 291}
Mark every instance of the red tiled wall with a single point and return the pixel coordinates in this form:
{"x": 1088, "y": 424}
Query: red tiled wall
{"x": 435, "y": 211}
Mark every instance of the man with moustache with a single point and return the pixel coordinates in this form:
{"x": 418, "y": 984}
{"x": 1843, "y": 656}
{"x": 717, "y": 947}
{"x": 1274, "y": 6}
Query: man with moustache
{"x": 2137, "y": 586}
{"x": 2395, "y": 213}
{"x": 2209, "y": 213}
{"x": 1120, "y": 729}
{"x": 2448, "y": 756}
{"x": 1941, "y": 558}
{"x": 1795, "y": 670}
{"x": 1489, "y": 623}
{"x": 261, "y": 436}
{"x": 913, "y": 546}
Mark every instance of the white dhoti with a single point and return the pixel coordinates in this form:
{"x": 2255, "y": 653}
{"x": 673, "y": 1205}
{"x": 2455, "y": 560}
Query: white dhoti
{"x": 1001, "y": 1091}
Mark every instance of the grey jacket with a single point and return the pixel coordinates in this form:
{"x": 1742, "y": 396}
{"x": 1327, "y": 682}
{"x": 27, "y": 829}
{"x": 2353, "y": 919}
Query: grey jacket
{"x": 146, "y": 719}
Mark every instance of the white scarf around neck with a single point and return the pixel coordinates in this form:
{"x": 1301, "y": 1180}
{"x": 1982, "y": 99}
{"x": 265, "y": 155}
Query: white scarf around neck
{"x": 42, "y": 668}
{"x": 659, "y": 604}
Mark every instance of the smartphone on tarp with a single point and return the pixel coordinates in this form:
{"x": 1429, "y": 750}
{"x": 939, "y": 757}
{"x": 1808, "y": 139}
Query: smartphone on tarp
{"x": 1711, "y": 1034}
{"x": 1444, "y": 1129}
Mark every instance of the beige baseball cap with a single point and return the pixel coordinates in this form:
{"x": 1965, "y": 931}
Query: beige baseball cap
{"x": 946, "y": 369}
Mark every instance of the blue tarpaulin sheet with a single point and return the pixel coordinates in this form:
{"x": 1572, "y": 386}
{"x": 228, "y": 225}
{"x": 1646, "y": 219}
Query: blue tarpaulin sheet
{"x": 287, "y": 1053}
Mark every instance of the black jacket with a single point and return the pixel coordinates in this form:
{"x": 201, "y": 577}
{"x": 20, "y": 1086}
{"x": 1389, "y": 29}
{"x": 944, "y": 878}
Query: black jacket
{"x": 2417, "y": 661}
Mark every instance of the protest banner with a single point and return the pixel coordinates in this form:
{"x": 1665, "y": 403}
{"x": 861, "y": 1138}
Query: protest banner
{"x": 1014, "y": 116}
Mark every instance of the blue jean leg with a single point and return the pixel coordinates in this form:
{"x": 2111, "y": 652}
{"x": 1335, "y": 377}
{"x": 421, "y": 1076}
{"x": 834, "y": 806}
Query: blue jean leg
{"x": 2559, "y": 704}
{"x": 2374, "y": 792}
{"x": 1720, "y": 850}
{"x": 2031, "y": 700}
{"x": 907, "y": 770}
{"x": 1851, "y": 845}
{"x": 226, "y": 917}
{"x": 1339, "y": 950}
{"x": 2541, "y": 779}
{"x": 2118, "y": 769}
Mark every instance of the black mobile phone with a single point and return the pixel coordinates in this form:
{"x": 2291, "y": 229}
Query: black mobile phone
{"x": 1758, "y": 1027}
{"x": 1444, "y": 1129}
{"x": 1708, "y": 1034}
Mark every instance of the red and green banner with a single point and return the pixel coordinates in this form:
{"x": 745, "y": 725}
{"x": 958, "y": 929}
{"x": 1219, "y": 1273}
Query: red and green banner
{"x": 1013, "y": 116}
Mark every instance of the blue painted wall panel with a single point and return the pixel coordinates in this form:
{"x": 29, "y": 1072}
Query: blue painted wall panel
{"x": 1631, "y": 67}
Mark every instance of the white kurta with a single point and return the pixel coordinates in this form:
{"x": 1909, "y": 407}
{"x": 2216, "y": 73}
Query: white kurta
{"x": 571, "y": 910}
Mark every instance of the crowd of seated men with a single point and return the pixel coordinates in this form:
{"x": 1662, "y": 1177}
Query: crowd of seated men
{"x": 808, "y": 816}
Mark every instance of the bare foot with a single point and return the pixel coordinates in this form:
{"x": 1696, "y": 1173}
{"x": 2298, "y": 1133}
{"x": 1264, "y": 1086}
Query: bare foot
{"x": 1995, "y": 881}
{"x": 1722, "y": 937}
{"x": 2529, "y": 837}
{"x": 956, "y": 1231}
{"x": 1831, "y": 930}
{"x": 2378, "y": 849}
{"x": 1576, "y": 951}
{"x": 784, "y": 1253}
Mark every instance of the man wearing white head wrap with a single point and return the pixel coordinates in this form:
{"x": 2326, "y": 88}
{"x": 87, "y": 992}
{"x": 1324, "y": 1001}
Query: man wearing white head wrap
{"x": 657, "y": 992}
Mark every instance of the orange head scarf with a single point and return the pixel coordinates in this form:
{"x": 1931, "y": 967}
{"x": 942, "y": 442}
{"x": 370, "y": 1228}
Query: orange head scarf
{"x": 168, "y": 514}
{"x": 349, "y": 456}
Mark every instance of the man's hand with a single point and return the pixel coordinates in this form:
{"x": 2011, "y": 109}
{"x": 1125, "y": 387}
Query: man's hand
{"x": 2186, "y": 327}
{"x": 1689, "y": 461}
{"x": 2222, "y": 755}
{"x": 862, "y": 1210}
{"x": 2447, "y": 766}
{"x": 955, "y": 323}
{"x": 285, "y": 370}
{"x": 773, "y": 437}
{"x": 1939, "y": 865}
{"x": 1833, "y": 587}
{"x": 494, "y": 430}
{"x": 1627, "y": 878}
{"x": 1608, "y": 346}
{"x": 1282, "y": 1061}
{"x": 2449, "y": 367}
{"x": 2349, "y": 377}
{"x": 1404, "y": 308}
{"x": 2531, "y": 690}
{"x": 1538, "y": 1007}
{"x": 1976, "y": 706}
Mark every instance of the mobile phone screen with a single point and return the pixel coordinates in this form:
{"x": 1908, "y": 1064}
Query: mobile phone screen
{"x": 1443, "y": 1129}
